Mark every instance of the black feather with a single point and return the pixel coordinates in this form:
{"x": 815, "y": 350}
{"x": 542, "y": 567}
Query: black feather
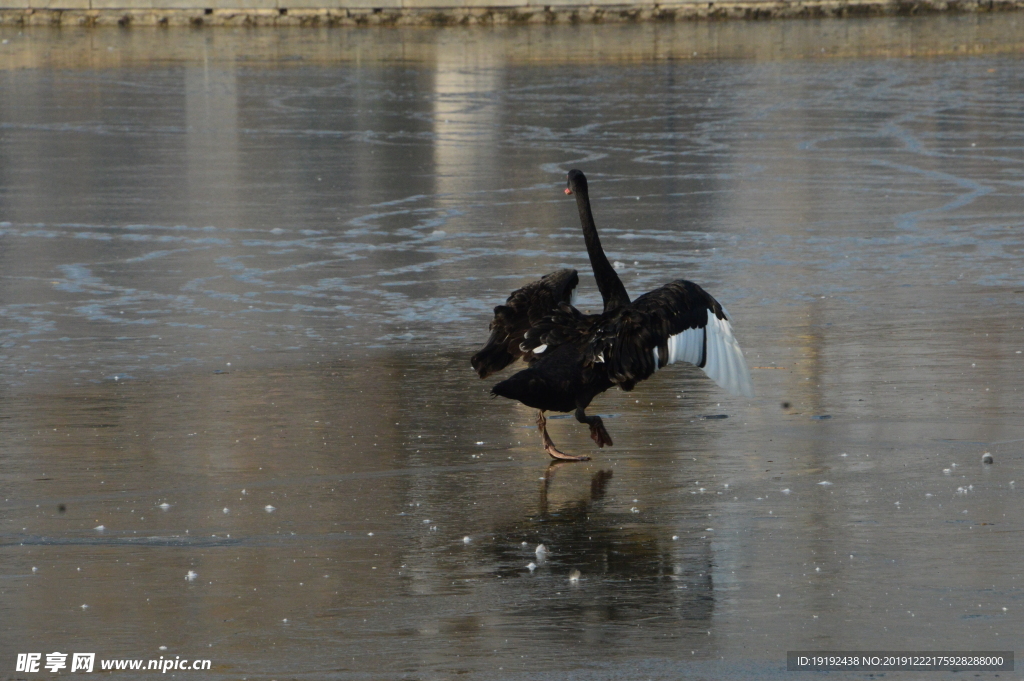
{"x": 525, "y": 308}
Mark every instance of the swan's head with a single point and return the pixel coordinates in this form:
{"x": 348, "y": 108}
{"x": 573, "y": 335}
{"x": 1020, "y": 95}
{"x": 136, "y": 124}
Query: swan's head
{"x": 577, "y": 182}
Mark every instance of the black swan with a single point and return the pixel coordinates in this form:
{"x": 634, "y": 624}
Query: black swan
{"x": 573, "y": 357}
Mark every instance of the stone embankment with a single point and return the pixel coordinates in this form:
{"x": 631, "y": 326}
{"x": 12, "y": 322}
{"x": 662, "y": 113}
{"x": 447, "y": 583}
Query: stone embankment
{"x": 198, "y": 13}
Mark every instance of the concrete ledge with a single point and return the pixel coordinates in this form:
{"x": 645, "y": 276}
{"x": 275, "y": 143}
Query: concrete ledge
{"x": 223, "y": 4}
{"x": 57, "y": 4}
{"x": 526, "y": 36}
{"x": 452, "y": 12}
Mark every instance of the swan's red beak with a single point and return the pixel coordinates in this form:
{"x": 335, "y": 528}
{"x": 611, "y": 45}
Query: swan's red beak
{"x": 568, "y": 191}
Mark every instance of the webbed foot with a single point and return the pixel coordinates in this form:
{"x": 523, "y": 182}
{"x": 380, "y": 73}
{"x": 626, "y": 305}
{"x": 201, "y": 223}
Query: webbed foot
{"x": 549, "y": 445}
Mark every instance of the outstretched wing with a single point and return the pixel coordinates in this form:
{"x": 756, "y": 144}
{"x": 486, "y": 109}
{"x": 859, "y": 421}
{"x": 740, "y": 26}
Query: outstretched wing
{"x": 679, "y": 322}
{"x": 523, "y": 309}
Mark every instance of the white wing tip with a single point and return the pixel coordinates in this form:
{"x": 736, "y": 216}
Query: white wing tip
{"x": 724, "y": 363}
{"x": 715, "y": 345}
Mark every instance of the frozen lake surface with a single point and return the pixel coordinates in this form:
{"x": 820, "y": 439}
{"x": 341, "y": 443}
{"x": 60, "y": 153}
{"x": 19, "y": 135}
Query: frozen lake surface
{"x": 239, "y": 290}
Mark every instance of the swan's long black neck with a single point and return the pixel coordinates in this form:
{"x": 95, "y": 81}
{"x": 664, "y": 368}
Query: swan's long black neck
{"x": 612, "y": 290}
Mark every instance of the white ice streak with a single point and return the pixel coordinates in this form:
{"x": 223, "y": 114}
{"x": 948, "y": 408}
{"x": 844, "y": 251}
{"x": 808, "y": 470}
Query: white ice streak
{"x": 191, "y": 576}
{"x": 164, "y": 506}
{"x": 541, "y": 551}
{"x": 269, "y": 509}
{"x": 717, "y": 348}
{"x": 824, "y": 483}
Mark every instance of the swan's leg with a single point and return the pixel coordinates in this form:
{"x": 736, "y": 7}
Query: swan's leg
{"x": 597, "y": 431}
{"x": 549, "y": 446}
